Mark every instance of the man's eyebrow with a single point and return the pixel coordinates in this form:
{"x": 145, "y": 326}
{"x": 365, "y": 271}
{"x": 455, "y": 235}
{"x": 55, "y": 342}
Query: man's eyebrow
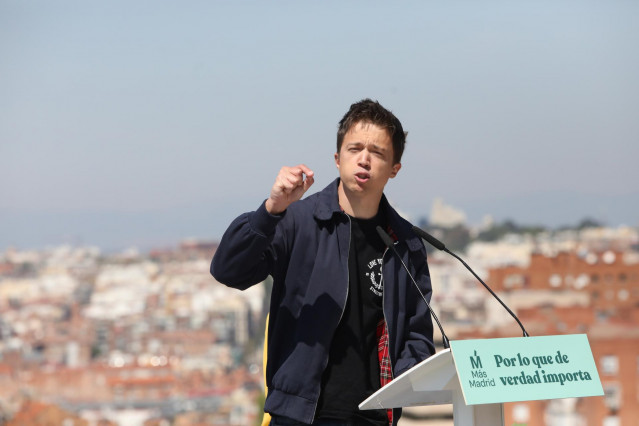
{"x": 373, "y": 145}
{"x": 378, "y": 148}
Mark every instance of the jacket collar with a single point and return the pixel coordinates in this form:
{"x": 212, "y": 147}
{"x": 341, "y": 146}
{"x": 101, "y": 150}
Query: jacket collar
{"x": 328, "y": 202}
{"x": 328, "y": 205}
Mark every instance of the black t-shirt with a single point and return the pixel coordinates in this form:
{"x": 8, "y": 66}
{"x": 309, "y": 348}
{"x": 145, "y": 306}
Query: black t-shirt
{"x": 352, "y": 373}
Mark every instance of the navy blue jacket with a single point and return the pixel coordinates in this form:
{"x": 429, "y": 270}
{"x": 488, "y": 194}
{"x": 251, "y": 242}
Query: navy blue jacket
{"x": 305, "y": 249}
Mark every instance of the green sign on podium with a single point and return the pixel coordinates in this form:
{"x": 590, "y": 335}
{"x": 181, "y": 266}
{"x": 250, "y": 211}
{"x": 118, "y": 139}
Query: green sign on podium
{"x": 525, "y": 368}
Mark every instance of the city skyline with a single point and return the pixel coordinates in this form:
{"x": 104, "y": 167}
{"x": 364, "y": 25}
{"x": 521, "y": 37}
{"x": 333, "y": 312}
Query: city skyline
{"x": 153, "y": 337}
{"x": 142, "y": 124}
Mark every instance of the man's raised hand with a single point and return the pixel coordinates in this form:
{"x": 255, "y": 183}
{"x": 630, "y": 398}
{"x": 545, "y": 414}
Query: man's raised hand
{"x": 291, "y": 183}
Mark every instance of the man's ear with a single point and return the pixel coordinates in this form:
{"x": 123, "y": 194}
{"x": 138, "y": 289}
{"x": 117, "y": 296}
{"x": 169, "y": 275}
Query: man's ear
{"x": 337, "y": 159}
{"x": 395, "y": 170}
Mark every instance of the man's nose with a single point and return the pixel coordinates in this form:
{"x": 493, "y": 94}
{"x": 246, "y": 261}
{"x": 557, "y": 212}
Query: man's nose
{"x": 364, "y": 159}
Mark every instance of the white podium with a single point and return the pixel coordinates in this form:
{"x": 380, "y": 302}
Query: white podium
{"x": 434, "y": 381}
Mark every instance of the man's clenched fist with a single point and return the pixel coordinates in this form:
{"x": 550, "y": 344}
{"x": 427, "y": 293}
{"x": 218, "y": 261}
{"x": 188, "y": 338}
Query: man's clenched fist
{"x": 291, "y": 183}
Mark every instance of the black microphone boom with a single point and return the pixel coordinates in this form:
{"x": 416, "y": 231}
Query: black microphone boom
{"x": 391, "y": 245}
{"x": 440, "y": 246}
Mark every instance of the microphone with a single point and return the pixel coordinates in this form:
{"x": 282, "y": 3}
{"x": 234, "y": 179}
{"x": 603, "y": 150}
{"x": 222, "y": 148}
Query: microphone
{"x": 440, "y": 246}
{"x": 391, "y": 245}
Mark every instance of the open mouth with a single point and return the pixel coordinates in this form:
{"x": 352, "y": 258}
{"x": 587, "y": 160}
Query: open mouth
{"x": 362, "y": 177}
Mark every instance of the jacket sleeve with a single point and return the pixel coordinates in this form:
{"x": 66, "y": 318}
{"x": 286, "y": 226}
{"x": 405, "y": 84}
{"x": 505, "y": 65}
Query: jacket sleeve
{"x": 419, "y": 340}
{"x": 246, "y": 254}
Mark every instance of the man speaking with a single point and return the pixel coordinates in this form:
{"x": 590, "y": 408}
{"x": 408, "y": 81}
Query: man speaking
{"x": 344, "y": 317}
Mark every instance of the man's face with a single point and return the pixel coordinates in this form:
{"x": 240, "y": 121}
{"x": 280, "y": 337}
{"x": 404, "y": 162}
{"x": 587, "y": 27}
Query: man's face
{"x": 365, "y": 160}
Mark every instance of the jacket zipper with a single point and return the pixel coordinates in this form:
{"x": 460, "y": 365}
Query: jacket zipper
{"x": 348, "y": 275}
{"x": 348, "y": 283}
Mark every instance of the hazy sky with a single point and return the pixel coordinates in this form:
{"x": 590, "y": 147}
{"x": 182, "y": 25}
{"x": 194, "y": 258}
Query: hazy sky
{"x": 142, "y": 122}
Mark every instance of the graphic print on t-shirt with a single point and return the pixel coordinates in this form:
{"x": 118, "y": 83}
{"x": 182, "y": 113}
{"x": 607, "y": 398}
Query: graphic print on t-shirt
{"x": 374, "y": 274}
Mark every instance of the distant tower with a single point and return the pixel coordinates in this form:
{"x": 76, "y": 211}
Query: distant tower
{"x": 446, "y": 216}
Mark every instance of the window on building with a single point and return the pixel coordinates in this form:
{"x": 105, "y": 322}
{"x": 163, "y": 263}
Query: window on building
{"x": 569, "y": 280}
{"x": 609, "y": 257}
{"x": 612, "y": 396}
{"x": 594, "y": 278}
{"x": 554, "y": 280}
{"x": 581, "y": 281}
{"x": 611, "y": 421}
{"x": 514, "y": 281}
{"x": 521, "y": 413}
{"x": 609, "y": 364}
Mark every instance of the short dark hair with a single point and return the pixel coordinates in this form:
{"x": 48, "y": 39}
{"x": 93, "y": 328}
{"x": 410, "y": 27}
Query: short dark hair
{"x": 369, "y": 111}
